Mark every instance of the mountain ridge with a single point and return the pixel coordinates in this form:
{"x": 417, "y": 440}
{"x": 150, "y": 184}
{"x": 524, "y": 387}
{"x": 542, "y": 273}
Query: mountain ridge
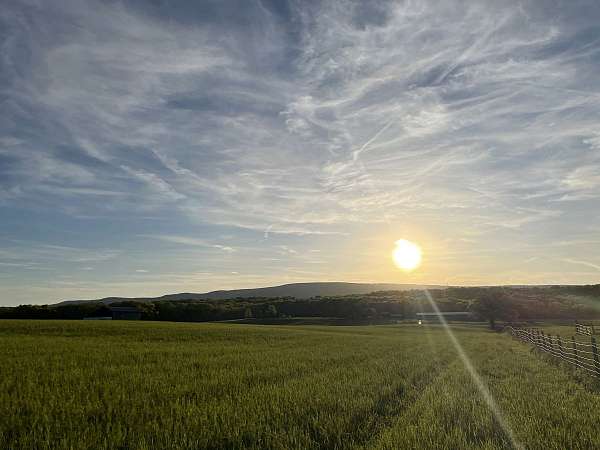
{"x": 298, "y": 290}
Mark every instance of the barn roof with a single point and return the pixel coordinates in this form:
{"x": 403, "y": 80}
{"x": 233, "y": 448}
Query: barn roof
{"x": 446, "y": 313}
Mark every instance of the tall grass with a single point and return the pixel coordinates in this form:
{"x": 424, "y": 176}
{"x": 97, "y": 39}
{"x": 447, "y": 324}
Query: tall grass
{"x": 134, "y": 385}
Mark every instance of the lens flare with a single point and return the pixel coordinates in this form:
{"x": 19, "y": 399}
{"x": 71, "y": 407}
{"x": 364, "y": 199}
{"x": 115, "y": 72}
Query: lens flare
{"x": 477, "y": 380}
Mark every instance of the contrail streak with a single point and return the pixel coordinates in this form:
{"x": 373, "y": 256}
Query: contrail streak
{"x": 357, "y": 153}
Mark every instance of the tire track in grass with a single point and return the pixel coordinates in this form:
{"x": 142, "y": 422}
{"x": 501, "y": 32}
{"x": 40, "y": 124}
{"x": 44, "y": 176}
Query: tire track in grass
{"x": 360, "y": 425}
{"x": 279, "y": 387}
{"x": 447, "y": 414}
{"x": 451, "y": 412}
{"x": 390, "y": 408}
{"x": 366, "y": 425}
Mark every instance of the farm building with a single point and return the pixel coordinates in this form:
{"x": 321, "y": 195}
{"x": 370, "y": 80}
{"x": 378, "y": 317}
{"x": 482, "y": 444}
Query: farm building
{"x": 125, "y": 313}
{"x": 447, "y": 315}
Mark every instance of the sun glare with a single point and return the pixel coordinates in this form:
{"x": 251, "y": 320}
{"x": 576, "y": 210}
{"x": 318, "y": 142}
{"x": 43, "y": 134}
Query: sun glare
{"x": 406, "y": 255}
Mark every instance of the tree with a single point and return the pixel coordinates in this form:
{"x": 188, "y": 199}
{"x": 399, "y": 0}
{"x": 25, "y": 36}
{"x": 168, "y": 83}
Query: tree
{"x": 492, "y": 304}
{"x": 271, "y": 311}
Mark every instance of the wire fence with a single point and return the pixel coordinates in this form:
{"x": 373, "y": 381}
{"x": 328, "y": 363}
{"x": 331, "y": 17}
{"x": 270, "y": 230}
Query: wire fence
{"x": 579, "y": 354}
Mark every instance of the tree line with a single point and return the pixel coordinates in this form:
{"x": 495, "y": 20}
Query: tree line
{"x": 493, "y": 304}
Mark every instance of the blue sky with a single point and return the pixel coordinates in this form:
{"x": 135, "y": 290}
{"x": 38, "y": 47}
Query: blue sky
{"x": 149, "y": 147}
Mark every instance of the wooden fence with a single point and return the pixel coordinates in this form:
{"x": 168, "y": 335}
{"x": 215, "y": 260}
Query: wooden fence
{"x": 579, "y": 354}
{"x": 584, "y": 329}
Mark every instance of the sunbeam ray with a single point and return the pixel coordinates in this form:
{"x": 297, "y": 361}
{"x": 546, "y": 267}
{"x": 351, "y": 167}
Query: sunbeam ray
{"x": 479, "y": 383}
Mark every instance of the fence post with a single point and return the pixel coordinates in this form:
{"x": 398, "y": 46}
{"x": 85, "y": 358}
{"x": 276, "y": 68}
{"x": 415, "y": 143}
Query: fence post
{"x": 560, "y": 346}
{"x": 596, "y": 359}
{"x": 543, "y": 340}
{"x": 575, "y": 349}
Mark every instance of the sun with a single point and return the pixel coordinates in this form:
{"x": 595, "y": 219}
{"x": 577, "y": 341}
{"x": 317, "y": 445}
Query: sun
{"x": 406, "y": 255}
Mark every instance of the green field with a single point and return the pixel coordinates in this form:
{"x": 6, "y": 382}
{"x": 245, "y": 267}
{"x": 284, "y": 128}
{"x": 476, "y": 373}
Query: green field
{"x": 149, "y": 385}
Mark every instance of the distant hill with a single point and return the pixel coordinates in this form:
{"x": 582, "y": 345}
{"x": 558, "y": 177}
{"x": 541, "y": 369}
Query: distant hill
{"x": 297, "y": 290}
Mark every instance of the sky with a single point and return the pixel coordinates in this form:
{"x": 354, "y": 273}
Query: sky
{"x": 161, "y": 146}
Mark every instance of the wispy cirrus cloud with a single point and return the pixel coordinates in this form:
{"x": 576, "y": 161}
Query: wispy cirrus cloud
{"x": 375, "y": 116}
{"x": 324, "y": 121}
{"x": 583, "y": 263}
{"x": 189, "y": 241}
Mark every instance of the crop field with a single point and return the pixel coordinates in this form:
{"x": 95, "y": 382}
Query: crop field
{"x": 149, "y": 385}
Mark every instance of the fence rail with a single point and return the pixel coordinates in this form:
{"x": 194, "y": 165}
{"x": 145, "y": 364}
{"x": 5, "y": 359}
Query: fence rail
{"x": 588, "y": 330}
{"x": 579, "y": 354}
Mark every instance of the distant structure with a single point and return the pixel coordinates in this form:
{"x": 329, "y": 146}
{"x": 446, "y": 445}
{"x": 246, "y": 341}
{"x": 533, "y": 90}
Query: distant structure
{"x": 447, "y": 315}
{"x": 125, "y": 313}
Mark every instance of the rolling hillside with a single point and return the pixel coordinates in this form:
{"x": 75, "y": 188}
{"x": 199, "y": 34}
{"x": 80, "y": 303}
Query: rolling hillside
{"x": 297, "y": 290}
